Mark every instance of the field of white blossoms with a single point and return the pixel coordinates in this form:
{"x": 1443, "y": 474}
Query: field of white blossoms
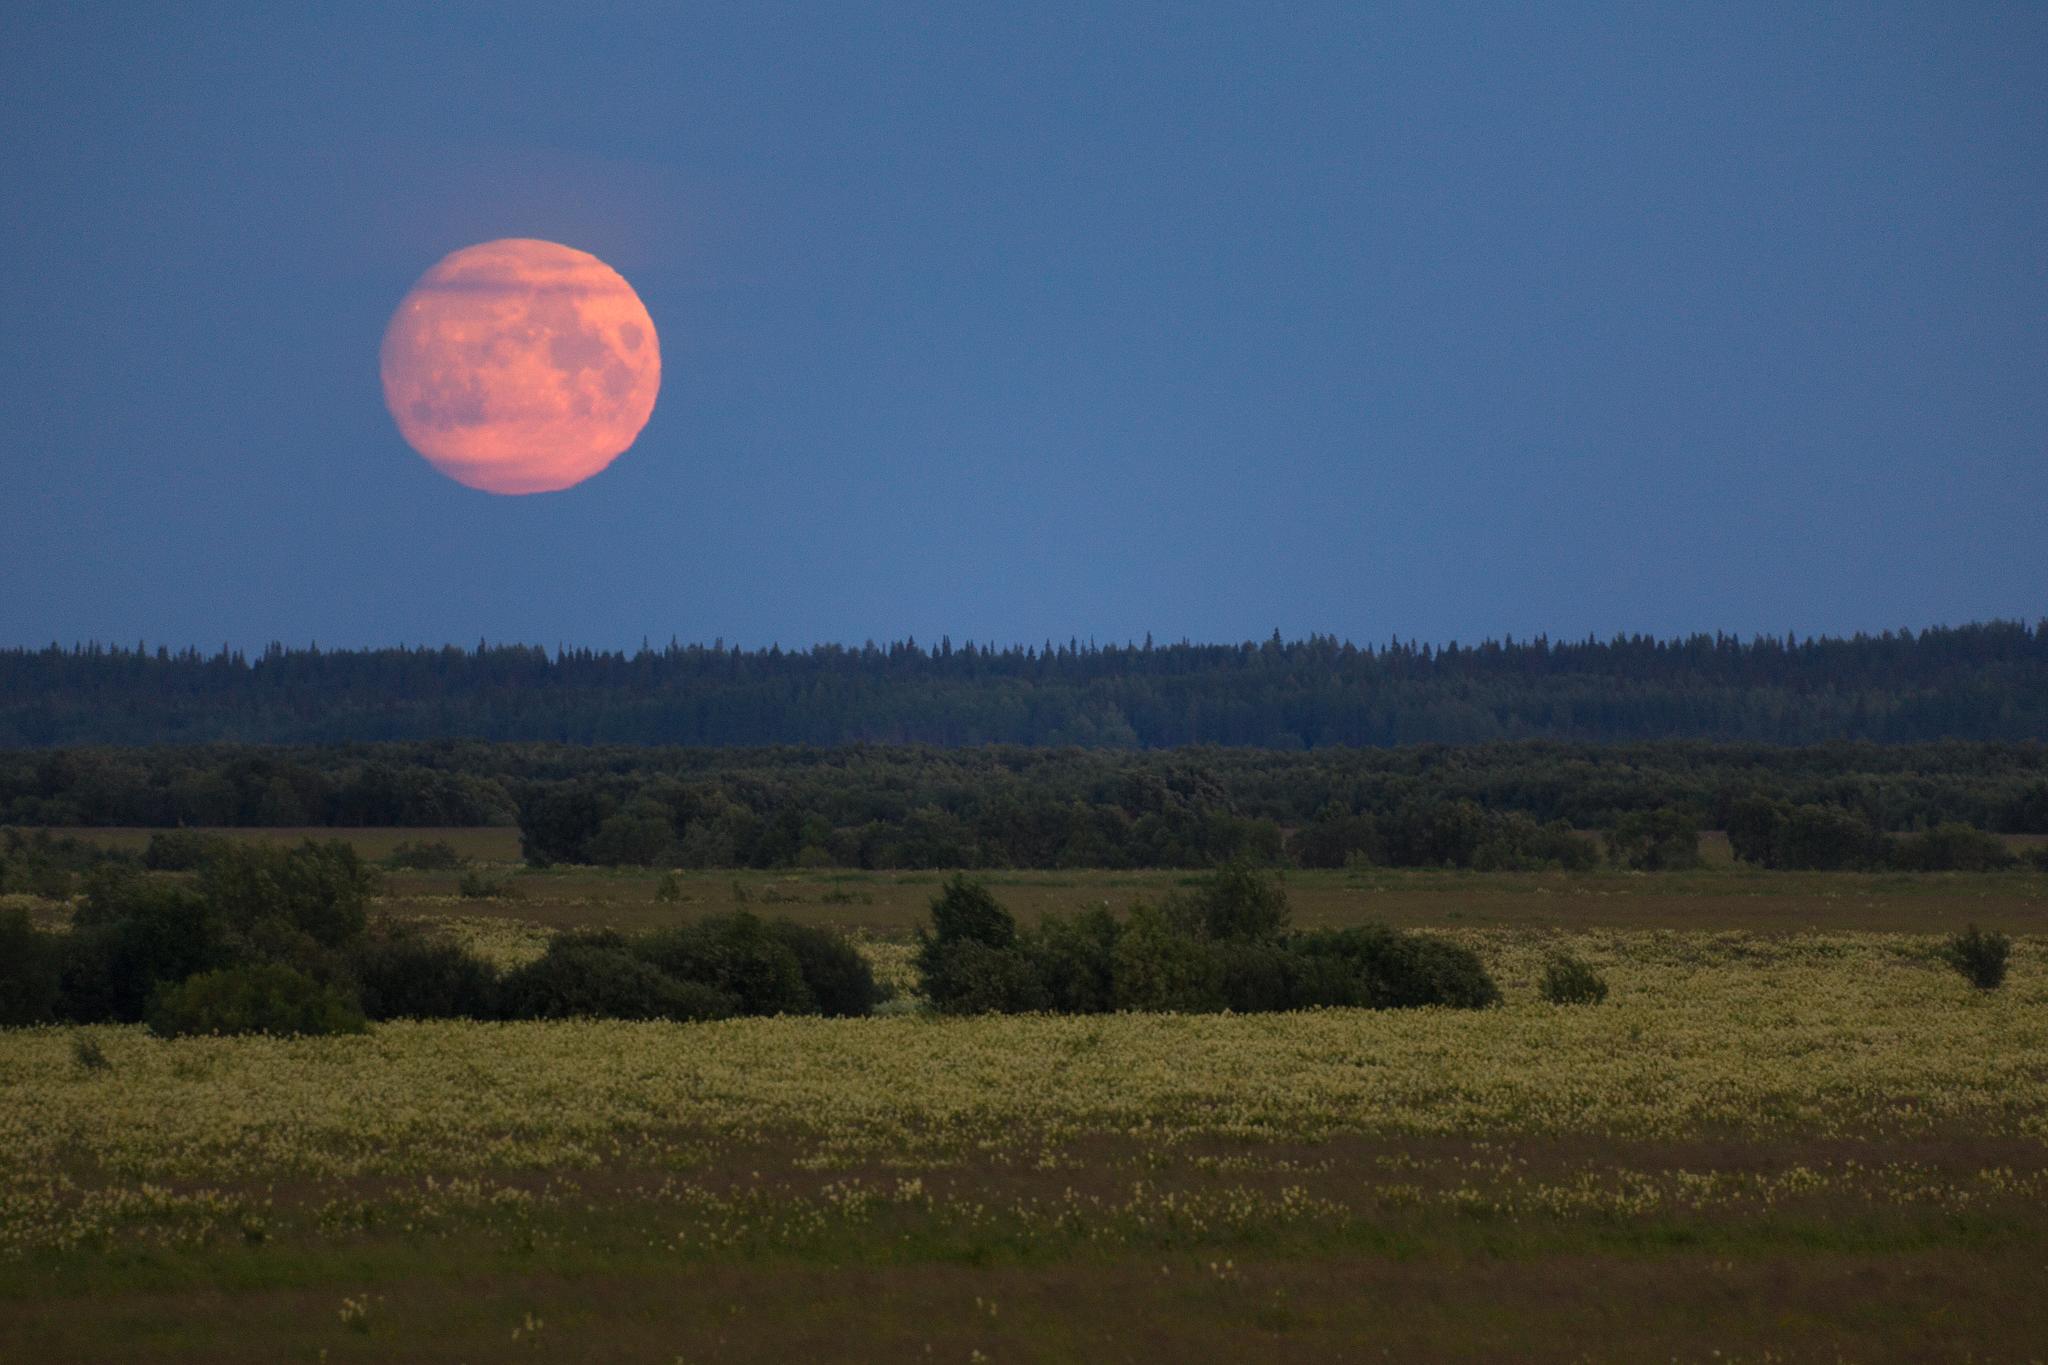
{"x": 1737, "y": 1096}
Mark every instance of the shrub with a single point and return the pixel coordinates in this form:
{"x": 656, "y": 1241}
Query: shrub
{"x": 1254, "y": 977}
{"x": 556, "y": 824}
{"x": 1516, "y": 843}
{"x": 965, "y": 909}
{"x": 258, "y": 998}
{"x": 47, "y": 866}
{"x": 1335, "y": 838}
{"x": 179, "y": 850}
{"x": 131, "y": 937}
{"x": 1756, "y": 827}
{"x": 1569, "y": 980}
{"x": 1827, "y": 838}
{"x": 737, "y": 955}
{"x": 401, "y": 975}
{"x": 670, "y": 889}
{"x": 1159, "y": 966}
{"x": 31, "y": 972}
{"x": 322, "y": 889}
{"x": 1951, "y": 847}
{"x": 596, "y": 976}
{"x": 1663, "y": 840}
{"x": 1398, "y": 971}
{"x": 841, "y": 982}
{"x": 1980, "y": 956}
{"x": 1074, "y": 959}
{"x": 1237, "y": 902}
{"x": 437, "y": 855}
{"x": 968, "y": 976}
{"x": 962, "y": 912}
{"x": 639, "y": 836}
{"x": 475, "y": 886}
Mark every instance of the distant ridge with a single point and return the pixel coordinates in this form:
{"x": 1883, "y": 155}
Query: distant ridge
{"x": 1985, "y": 681}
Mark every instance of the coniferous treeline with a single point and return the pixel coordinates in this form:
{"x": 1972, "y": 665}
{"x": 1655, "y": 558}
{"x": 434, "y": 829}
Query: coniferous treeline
{"x": 1986, "y": 681}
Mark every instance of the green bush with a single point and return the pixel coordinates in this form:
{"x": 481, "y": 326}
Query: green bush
{"x": 1980, "y": 956}
{"x": 49, "y": 866}
{"x": 1569, "y": 980}
{"x": 1158, "y": 965}
{"x": 1951, "y": 847}
{"x": 964, "y": 912}
{"x": 737, "y": 955}
{"x": 435, "y": 855}
{"x": 1402, "y": 971}
{"x": 968, "y": 976}
{"x": 1756, "y": 828}
{"x": 1826, "y": 839}
{"x": 841, "y": 982}
{"x": 31, "y": 972}
{"x": 1255, "y": 977}
{"x": 1235, "y": 902}
{"x": 1074, "y": 960}
{"x": 321, "y": 889}
{"x": 639, "y": 836}
{"x": 406, "y": 975}
{"x": 179, "y": 850}
{"x": 131, "y": 937}
{"x": 258, "y": 998}
{"x": 965, "y": 909}
{"x": 1665, "y": 840}
{"x": 597, "y": 976}
{"x": 475, "y": 886}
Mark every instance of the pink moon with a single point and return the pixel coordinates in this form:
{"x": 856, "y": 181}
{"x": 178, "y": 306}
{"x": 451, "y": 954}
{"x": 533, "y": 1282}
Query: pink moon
{"x": 520, "y": 366}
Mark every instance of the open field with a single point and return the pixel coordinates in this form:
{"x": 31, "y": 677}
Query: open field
{"x": 1722, "y": 895}
{"x": 1790, "y": 1133}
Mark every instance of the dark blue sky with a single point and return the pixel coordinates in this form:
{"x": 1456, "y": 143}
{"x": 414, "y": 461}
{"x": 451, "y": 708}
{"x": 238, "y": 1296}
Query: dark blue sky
{"x": 1430, "y": 320}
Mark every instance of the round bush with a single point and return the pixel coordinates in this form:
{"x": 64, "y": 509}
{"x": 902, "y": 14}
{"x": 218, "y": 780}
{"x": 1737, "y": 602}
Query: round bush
{"x": 260, "y": 998}
{"x": 411, "y": 977}
{"x": 839, "y": 978}
{"x": 968, "y": 976}
{"x": 737, "y": 955}
{"x": 596, "y": 978}
{"x": 1980, "y": 956}
{"x": 1569, "y": 980}
{"x": 31, "y": 970}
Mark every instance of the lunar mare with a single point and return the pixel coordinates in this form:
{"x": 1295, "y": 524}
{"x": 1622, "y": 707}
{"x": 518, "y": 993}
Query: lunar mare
{"x": 520, "y": 366}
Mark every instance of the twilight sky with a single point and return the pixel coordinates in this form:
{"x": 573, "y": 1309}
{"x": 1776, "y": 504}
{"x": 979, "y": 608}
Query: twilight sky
{"x": 1056, "y": 319}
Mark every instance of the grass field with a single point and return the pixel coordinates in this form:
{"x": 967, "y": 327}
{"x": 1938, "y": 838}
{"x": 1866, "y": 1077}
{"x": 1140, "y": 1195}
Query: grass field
{"x": 1790, "y": 1133}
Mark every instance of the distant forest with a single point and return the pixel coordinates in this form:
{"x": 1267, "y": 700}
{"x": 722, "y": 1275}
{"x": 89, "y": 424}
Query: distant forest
{"x": 1975, "y": 682}
{"x": 1494, "y": 805}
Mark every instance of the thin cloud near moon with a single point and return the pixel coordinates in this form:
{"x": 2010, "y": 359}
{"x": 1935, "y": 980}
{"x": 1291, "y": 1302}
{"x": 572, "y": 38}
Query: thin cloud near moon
{"x": 521, "y": 366}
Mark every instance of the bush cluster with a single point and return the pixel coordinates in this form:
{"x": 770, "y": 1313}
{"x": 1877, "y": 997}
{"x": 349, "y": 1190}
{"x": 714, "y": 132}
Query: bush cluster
{"x": 425, "y": 855}
{"x": 266, "y": 940}
{"x": 1827, "y": 838}
{"x": 51, "y": 866}
{"x": 1223, "y": 946}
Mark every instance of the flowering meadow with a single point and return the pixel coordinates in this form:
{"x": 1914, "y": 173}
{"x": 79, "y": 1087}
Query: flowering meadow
{"x": 1736, "y": 1095}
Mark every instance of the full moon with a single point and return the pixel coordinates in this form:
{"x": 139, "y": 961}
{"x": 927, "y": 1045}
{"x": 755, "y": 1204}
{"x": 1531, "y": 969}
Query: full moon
{"x": 520, "y": 366}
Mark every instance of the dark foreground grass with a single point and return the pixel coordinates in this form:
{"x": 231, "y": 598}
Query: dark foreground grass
{"x": 1787, "y": 1288}
{"x": 1355, "y": 1249}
